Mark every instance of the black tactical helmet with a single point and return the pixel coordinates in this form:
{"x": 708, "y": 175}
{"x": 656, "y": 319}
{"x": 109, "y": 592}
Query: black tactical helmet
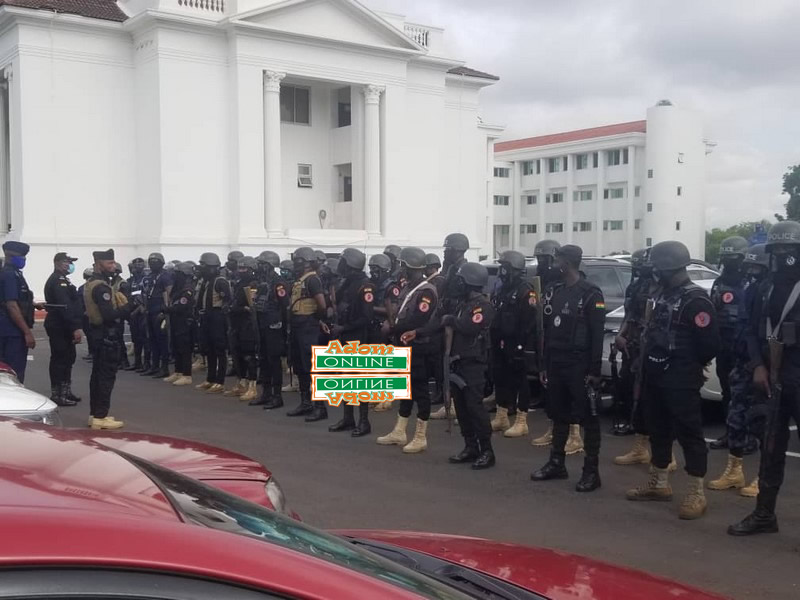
{"x": 87, "y": 273}
{"x": 474, "y": 274}
{"x": 138, "y": 261}
{"x": 785, "y": 233}
{"x": 269, "y": 257}
{"x": 381, "y": 261}
{"x": 286, "y": 265}
{"x": 191, "y": 262}
{"x": 757, "y": 255}
{"x": 330, "y": 266}
{"x": 156, "y": 256}
{"x": 546, "y": 248}
{"x": 413, "y": 257}
{"x": 170, "y": 266}
{"x": 248, "y": 262}
{"x": 432, "y": 260}
{"x": 514, "y": 259}
{"x": 304, "y": 253}
{"x": 457, "y": 241}
{"x": 209, "y": 259}
{"x": 353, "y": 258}
{"x": 321, "y": 256}
{"x": 640, "y": 258}
{"x": 235, "y": 255}
{"x": 393, "y": 251}
{"x": 117, "y": 268}
{"x": 733, "y": 246}
{"x": 187, "y": 268}
{"x": 669, "y": 256}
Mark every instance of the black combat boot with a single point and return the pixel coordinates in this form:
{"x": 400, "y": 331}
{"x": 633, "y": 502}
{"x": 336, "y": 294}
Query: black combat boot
{"x": 346, "y": 423}
{"x": 263, "y": 399}
{"x": 144, "y": 368}
{"x": 720, "y": 443}
{"x": 553, "y": 469}
{"x": 69, "y": 395}
{"x": 590, "y": 479}
{"x": 163, "y": 371}
{"x": 319, "y": 412}
{"x": 762, "y": 519}
{"x": 469, "y": 454}
{"x": 486, "y": 458}
{"x": 154, "y": 368}
{"x": 363, "y": 428}
{"x": 275, "y": 398}
{"x": 124, "y": 363}
{"x": 304, "y": 408}
{"x": 57, "y": 396}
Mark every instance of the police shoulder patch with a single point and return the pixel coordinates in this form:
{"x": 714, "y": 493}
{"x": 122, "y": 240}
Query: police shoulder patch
{"x": 727, "y": 297}
{"x": 424, "y": 305}
{"x": 477, "y": 317}
{"x": 184, "y": 300}
{"x": 532, "y": 299}
{"x": 368, "y": 297}
{"x": 702, "y": 319}
{"x": 107, "y": 297}
{"x": 281, "y": 291}
{"x": 395, "y": 291}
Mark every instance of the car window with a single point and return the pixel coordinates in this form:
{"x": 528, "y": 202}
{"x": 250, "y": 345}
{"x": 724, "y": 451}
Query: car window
{"x": 695, "y": 275}
{"x": 625, "y": 275}
{"x": 604, "y": 277}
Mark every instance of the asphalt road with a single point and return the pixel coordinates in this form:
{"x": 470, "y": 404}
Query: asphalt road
{"x": 335, "y": 481}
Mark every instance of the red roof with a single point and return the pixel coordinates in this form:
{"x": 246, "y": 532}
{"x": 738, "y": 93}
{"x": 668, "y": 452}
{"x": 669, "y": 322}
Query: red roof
{"x": 95, "y": 9}
{"x": 572, "y": 136}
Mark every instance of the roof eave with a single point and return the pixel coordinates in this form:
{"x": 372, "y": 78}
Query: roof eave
{"x": 601, "y": 142}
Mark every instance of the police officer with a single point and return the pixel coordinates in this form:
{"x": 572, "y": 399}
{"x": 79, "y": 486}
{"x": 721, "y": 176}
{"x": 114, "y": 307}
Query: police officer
{"x": 244, "y": 324}
{"x": 306, "y": 309}
{"x": 727, "y": 294}
{"x": 158, "y": 286}
{"x": 747, "y": 410}
{"x": 514, "y": 339}
{"x": 271, "y": 304}
{"x": 63, "y": 326}
{"x": 546, "y": 270}
{"x": 455, "y": 246}
{"x": 105, "y": 308}
{"x": 393, "y": 252}
{"x": 138, "y": 319}
{"x": 413, "y": 327}
{"x": 118, "y": 284}
{"x": 16, "y": 315}
{"x": 380, "y": 266}
{"x": 774, "y": 335}
{"x": 573, "y": 352}
{"x": 231, "y": 273}
{"x": 328, "y": 272}
{"x": 628, "y": 342}
{"x": 470, "y": 325}
{"x": 87, "y": 275}
{"x": 681, "y": 338}
{"x": 432, "y": 266}
{"x": 213, "y": 304}
{"x": 231, "y": 269}
{"x": 181, "y": 322}
{"x": 288, "y": 277}
{"x": 356, "y": 299}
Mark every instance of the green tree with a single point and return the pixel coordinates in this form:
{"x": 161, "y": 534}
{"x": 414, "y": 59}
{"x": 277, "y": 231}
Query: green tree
{"x": 791, "y": 186}
{"x": 715, "y": 236}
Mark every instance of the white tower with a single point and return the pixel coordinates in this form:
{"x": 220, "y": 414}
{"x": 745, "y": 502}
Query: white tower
{"x": 675, "y": 159}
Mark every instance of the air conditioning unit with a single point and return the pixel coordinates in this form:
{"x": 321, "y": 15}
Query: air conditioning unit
{"x": 304, "y": 176}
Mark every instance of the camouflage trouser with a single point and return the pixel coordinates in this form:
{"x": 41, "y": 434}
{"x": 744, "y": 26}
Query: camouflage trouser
{"x": 746, "y": 412}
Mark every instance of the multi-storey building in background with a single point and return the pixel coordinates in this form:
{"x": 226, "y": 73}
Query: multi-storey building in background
{"x": 607, "y": 189}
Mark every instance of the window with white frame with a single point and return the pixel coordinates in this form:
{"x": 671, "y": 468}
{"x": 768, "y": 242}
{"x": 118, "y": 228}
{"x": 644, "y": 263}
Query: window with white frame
{"x": 613, "y": 158}
{"x": 295, "y": 105}
{"x": 582, "y": 226}
{"x": 554, "y": 165}
{"x": 502, "y": 172}
{"x": 680, "y": 190}
{"x": 581, "y": 162}
{"x": 637, "y": 224}
{"x": 554, "y": 228}
{"x": 613, "y": 193}
{"x": 680, "y": 157}
{"x": 501, "y": 200}
{"x": 637, "y": 191}
{"x": 529, "y": 199}
{"x": 554, "y": 198}
{"x": 677, "y": 225}
{"x": 581, "y": 195}
{"x": 527, "y": 229}
{"x": 529, "y": 167}
{"x": 649, "y": 207}
{"x": 612, "y": 225}
{"x": 648, "y": 242}
{"x": 304, "y": 176}
{"x": 649, "y": 173}
{"x": 502, "y": 237}
{"x": 595, "y": 159}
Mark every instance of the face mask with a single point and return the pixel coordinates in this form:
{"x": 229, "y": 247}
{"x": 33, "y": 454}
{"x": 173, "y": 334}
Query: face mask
{"x": 450, "y": 255}
{"x": 71, "y": 268}
{"x": 299, "y": 267}
{"x": 17, "y": 261}
{"x": 155, "y": 265}
{"x": 505, "y": 274}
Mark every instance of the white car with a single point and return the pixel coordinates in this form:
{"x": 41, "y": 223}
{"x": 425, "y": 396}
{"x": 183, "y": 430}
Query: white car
{"x": 702, "y": 275}
{"x": 18, "y": 402}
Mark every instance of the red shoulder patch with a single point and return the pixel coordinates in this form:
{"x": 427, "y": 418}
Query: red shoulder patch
{"x": 395, "y": 291}
{"x": 281, "y": 291}
{"x": 727, "y": 297}
{"x": 702, "y": 319}
{"x": 477, "y": 318}
{"x": 368, "y": 297}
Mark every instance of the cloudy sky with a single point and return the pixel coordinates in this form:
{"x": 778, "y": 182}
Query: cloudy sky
{"x": 572, "y": 64}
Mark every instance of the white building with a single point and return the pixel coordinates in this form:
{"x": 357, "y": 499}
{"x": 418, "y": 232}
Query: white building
{"x": 183, "y": 126}
{"x": 608, "y": 189}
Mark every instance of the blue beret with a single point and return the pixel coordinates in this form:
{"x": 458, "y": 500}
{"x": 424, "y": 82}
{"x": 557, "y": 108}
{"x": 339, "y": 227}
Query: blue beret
{"x": 19, "y": 248}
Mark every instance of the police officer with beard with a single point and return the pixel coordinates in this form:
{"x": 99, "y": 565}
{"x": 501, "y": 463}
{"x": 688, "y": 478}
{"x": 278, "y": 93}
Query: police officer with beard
{"x": 243, "y": 322}
{"x": 681, "y": 338}
{"x": 470, "y": 325}
{"x": 413, "y": 327}
{"x": 159, "y": 287}
{"x": 455, "y": 246}
{"x": 306, "y": 309}
{"x": 213, "y": 304}
{"x": 356, "y": 300}
{"x": 514, "y": 342}
{"x": 181, "y": 311}
{"x": 138, "y": 319}
{"x": 271, "y": 304}
{"x": 774, "y": 335}
{"x": 573, "y": 354}
{"x": 727, "y": 294}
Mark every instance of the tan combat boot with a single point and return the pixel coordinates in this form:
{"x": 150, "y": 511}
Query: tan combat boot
{"x": 439, "y": 414}
{"x": 251, "y": 393}
{"x": 199, "y": 364}
{"x": 237, "y": 390}
{"x": 106, "y": 423}
{"x": 397, "y": 436}
{"x": 546, "y": 439}
{"x": 673, "y": 465}
{"x": 291, "y": 386}
{"x": 750, "y": 491}
{"x": 574, "y": 441}
{"x": 694, "y": 503}
{"x": 638, "y": 455}
{"x": 216, "y": 388}
{"x": 172, "y": 377}
{"x": 500, "y": 421}
{"x": 419, "y": 442}
{"x": 732, "y": 476}
{"x": 657, "y": 488}
{"x": 204, "y": 386}
{"x": 183, "y": 380}
{"x": 520, "y": 426}
{"x": 383, "y": 406}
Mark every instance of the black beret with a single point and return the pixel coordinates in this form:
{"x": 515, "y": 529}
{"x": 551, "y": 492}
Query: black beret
{"x": 103, "y": 254}
{"x": 19, "y": 248}
{"x": 571, "y": 252}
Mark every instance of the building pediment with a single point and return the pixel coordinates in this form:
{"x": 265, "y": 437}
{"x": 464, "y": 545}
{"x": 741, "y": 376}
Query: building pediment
{"x": 331, "y": 20}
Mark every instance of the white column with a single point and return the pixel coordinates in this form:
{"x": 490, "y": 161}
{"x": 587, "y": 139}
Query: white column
{"x": 541, "y": 234}
{"x": 273, "y": 206}
{"x": 631, "y": 196}
{"x": 570, "y": 191}
{"x": 598, "y": 219}
{"x": 5, "y": 188}
{"x": 515, "y": 238}
{"x": 372, "y": 159}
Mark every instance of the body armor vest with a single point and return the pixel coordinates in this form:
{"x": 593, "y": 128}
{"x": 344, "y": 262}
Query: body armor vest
{"x": 302, "y": 303}
{"x": 666, "y": 334}
{"x": 726, "y": 299}
{"x": 569, "y": 330}
{"x": 217, "y": 299}
{"x": 506, "y": 321}
{"x": 92, "y": 310}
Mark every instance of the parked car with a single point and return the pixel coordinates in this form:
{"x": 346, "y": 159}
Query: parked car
{"x": 91, "y": 521}
{"x": 702, "y": 274}
{"x": 19, "y": 402}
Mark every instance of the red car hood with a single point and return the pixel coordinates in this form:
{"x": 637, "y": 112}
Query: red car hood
{"x": 193, "y": 459}
{"x": 553, "y": 574}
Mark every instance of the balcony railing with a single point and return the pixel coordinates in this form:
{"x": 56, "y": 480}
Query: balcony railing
{"x": 209, "y": 5}
{"x": 421, "y": 35}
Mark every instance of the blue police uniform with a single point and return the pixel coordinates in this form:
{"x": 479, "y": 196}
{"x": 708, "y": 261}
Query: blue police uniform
{"x": 13, "y": 287}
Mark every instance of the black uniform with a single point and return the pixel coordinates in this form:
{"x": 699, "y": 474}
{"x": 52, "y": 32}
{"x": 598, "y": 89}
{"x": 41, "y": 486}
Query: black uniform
{"x": 469, "y": 356}
{"x": 181, "y": 311}
{"x": 213, "y": 302}
{"x": 448, "y": 290}
{"x": 380, "y": 290}
{"x": 156, "y": 332}
{"x": 416, "y": 312}
{"x": 64, "y": 317}
{"x": 245, "y": 329}
{"x": 138, "y": 322}
{"x": 637, "y": 296}
{"x": 105, "y": 310}
{"x": 514, "y": 338}
{"x": 681, "y": 338}
{"x": 574, "y": 319}
{"x": 271, "y": 304}
{"x": 727, "y": 294}
{"x": 304, "y": 328}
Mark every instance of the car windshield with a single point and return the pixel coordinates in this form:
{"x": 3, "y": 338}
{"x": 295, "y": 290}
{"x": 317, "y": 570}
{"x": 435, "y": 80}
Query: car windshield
{"x": 203, "y": 505}
{"x": 606, "y": 279}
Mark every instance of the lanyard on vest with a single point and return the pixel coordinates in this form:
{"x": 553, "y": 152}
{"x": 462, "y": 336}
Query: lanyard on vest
{"x": 411, "y": 293}
{"x": 790, "y": 301}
